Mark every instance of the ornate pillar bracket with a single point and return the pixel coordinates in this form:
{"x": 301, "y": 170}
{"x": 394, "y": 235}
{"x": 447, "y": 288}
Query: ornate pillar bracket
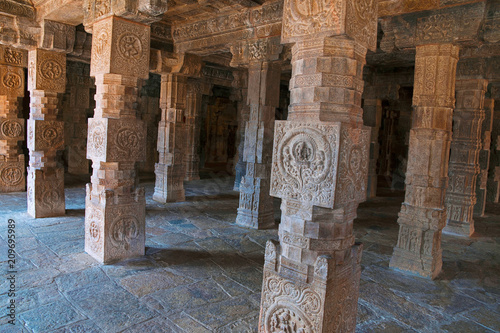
{"x": 46, "y": 79}
{"x": 240, "y": 96}
{"x": 12, "y": 124}
{"x": 464, "y": 166}
{"x": 171, "y": 169}
{"x": 319, "y": 170}
{"x": 262, "y": 57}
{"x": 115, "y": 205}
{"x": 423, "y": 214}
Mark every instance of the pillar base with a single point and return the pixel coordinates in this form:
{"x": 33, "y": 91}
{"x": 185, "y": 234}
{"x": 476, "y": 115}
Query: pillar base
{"x": 169, "y": 184}
{"x": 115, "y": 225}
{"x": 46, "y": 192}
{"x": 412, "y": 263}
{"x": 256, "y": 209}
{"x": 290, "y": 304}
{"x": 12, "y": 176}
{"x": 459, "y": 228}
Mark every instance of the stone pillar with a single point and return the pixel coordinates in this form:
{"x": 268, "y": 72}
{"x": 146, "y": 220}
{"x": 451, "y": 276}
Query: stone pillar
{"x": 422, "y": 215}
{"x": 12, "y": 161}
{"x": 387, "y": 143}
{"x": 170, "y": 170}
{"x": 463, "y": 167}
{"x": 75, "y": 117}
{"x": 115, "y": 205}
{"x": 264, "y": 71}
{"x": 319, "y": 170}
{"x": 193, "y": 109}
{"x": 373, "y": 117}
{"x": 240, "y": 95}
{"x": 484, "y": 158}
{"x": 46, "y": 79}
{"x": 493, "y": 186}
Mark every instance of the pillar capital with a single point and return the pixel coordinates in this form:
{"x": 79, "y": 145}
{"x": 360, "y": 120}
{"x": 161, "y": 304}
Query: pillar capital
{"x": 435, "y": 71}
{"x": 309, "y": 19}
{"x": 47, "y": 71}
{"x": 120, "y": 46}
{"x": 186, "y": 64}
{"x": 57, "y": 36}
{"x": 143, "y": 11}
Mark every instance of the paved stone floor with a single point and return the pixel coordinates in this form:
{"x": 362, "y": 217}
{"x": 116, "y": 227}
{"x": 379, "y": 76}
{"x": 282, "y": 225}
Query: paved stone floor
{"x": 203, "y": 274}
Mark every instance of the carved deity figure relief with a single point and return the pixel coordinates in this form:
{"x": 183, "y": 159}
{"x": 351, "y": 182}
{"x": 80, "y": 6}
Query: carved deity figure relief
{"x": 12, "y": 80}
{"x": 11, "y": 129}
{"x": 11, "y": 175}
{"x": 123, "y": 231}
{"x": 51, "y": 70}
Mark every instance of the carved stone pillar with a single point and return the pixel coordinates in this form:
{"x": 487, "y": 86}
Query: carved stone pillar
{"x": 46, "y": 79}
{"x": 193, "y": 109}
{"x": 12, "y": 167}
{"x": 422, "y": 215}
{"x": 115, "y": 205}
{"x": 493, "y": 186}
{"x": 75, "y": 117}
{"x": 463, "y": 167}
{"x": 170, "y": 170}
{"x": 373, "y": 108}
{"x": 256, "y": 206}
{"x": 388, "y": 136}
{"x": 320, "y": 165}
{"x": 240, "y": 96}
{"x": 484, "y": 157}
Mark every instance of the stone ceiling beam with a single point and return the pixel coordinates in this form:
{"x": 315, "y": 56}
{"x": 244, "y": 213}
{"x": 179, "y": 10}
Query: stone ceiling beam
{"x": 64, "y": 11}
{"x": 200, "y": 36}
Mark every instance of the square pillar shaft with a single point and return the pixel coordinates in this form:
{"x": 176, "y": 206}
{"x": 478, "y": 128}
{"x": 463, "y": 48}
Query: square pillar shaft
{"x": 423, "y": 216}
{"x": 115, "y": 204}
{"x": 12, "y": 124}
{"x": 256, "y": 206}
{"x": 46, "y": 79}
{"x": 463, "y": 167}
{"x": 171, "y": 169}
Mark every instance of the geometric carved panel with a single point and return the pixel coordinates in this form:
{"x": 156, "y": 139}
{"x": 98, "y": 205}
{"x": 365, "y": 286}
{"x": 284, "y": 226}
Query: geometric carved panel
{"x": 305, "y": 158}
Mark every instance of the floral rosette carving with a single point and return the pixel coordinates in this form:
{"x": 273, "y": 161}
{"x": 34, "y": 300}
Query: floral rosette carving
{"x": 304, "y": 162}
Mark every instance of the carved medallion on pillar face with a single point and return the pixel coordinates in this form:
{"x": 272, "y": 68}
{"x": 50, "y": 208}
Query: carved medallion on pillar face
{"x": 11, "y": 81}
{"x": 11, "y": 129}
{"x": 47, "y": 71}
{"x": 305, "y": 160}
{"x": 12, "y": 175}
{"x": 45, "y": 135}
{"x": 116, "y": 140}
{"x": 120, "y": 48}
